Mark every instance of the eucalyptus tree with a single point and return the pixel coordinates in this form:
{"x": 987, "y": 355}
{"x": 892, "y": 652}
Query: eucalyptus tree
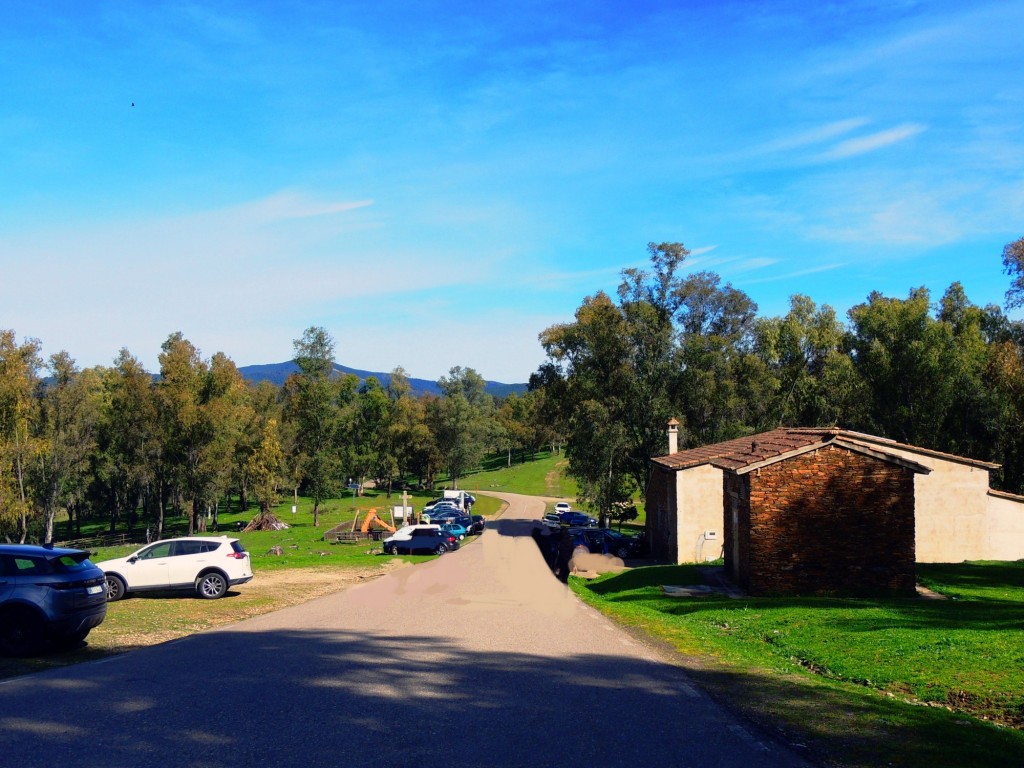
{"x": 461, "y": 420}
{"x": 972, "y": 425}
{"x": 672, "y": 346}
{"x": 714, "y": 327}
{"x": 517, "y": 423}
{"x": 423, "y": 453}
{"x": 907, "y": 360}
{"x": 1013, "y": 265}
{"x": 20, "y": 366}
{"x": 312, "y": 405}
{"x": 131, "y": 461}
{"x": 809, "y": 375}
{"x": 199, "y": 405}
{"x": 593, "y": 358}
{"x": 370, "y": 453}
{"x": 405, "y": 415}
{"x": 65, "y": 431}
{"x": 264, "y": 468}
{"x": 262, "y": 404}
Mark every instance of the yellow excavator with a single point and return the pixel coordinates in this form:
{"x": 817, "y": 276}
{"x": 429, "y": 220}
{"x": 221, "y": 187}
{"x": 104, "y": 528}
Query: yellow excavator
{"x": 372, "y": 518}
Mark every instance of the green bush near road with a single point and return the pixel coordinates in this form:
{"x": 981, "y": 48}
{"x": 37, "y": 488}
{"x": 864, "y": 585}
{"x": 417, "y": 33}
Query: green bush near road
{"x": 902, "y": 682}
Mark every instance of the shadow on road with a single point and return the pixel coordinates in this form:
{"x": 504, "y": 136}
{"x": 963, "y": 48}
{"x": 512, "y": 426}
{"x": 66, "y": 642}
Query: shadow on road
{"x": 288, "y": 698}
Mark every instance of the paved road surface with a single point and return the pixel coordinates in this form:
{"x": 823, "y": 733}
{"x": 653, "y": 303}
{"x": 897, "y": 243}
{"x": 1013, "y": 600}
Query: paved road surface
{"x": 480, "y": 658}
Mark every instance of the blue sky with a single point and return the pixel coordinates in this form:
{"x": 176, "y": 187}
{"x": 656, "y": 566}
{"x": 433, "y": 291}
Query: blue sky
{"x": 435, "y": 183}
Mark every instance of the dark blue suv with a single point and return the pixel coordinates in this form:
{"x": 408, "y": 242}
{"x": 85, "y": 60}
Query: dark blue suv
{"x": 49, "y": 596}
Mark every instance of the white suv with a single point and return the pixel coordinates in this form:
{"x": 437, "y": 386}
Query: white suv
{"x": 207, "y": 564}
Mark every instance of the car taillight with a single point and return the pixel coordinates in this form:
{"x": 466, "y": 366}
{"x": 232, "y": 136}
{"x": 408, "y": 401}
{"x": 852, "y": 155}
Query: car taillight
{"x": 238, "y": 555}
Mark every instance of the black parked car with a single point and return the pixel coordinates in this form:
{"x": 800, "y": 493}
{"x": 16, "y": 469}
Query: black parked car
{"x": 574, "y": 519}
{"x": 606, "y": 541}
{"x": 479, "y": 523}
{"x": 420, "y": 540}
{"x": 49, "y": 596}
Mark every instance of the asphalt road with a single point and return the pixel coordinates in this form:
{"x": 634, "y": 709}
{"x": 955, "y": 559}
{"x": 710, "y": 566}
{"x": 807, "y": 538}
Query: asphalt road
{"x": 480, "y": 658}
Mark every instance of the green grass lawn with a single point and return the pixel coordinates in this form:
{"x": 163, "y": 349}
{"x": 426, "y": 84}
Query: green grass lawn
{"x": 934, "y": 674}
{"x": 543, "y": 476}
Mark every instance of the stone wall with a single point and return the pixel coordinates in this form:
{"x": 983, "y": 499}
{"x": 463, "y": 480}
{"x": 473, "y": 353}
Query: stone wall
{"x": 830, "y": 521}
{"x": 662, "y": 515}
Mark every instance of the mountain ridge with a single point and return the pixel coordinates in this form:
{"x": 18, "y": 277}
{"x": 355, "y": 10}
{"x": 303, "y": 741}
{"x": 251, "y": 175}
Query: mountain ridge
{"x": 277, "y": 373}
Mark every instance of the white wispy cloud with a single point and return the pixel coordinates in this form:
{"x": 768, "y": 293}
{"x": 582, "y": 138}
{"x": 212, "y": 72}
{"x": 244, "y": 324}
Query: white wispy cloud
{"x": 812, "y": 136}
{"x": 794, "y": 274}
{"x": 694, "y": 252}
{"x": 755, "y": 263}
{"x": 293, "y": 204}
{"x": 873, "y": 142}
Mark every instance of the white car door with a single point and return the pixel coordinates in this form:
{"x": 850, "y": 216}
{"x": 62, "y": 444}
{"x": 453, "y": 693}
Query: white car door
{"x": 150, "y": 567}
{"x": 190, "y": 557}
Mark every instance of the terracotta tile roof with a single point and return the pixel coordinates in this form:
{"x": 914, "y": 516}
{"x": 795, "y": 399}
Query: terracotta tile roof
{"x": 862, "y": 437}
{"x": 744, "y": 451}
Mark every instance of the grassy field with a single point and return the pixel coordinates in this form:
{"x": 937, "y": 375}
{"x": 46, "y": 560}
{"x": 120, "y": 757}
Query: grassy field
{"x": 302, "y": 543}
{"x": 543, "y": 476}
{"x": 941, "y": 678}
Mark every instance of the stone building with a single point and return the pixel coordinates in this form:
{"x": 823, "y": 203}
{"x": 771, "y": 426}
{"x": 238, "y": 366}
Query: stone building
{"x": 829, "y": 519}
{"x": 956, "y": 516}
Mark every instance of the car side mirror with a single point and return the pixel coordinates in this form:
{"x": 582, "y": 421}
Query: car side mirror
{"x": 132, "y": 559}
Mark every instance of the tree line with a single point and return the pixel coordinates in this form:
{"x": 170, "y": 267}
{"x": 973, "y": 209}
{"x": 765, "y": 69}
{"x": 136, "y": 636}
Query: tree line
{"x": 123, "y": 446}
{"x": 946, "y": 375}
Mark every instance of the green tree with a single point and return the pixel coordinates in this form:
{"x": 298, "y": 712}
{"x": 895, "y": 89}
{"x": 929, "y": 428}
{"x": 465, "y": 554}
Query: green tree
{"x": 130, "y": 466}
{"x": 68, "y": 414}
{"x": 673, "y": 345}
{"x": 1013, "y": 265}
{"x": 803, "y": 352}
{"x": 19, "y": 377}
{"x": 312, "y": 404}
{"x": 906, "y": 359}
{"x": 461, "y": 421}
{"x": 263, "y": 467}
{"x": 199, "y": 405}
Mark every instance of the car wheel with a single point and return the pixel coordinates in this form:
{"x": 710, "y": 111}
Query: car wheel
{"x": 211, "y": 586}
{"x": 66, "y": 642}
{"x": 116, "y": 588}
{"x": 623, "y": 552}
{"x": 21, "y": 633}
{"x": 440, "y": 549}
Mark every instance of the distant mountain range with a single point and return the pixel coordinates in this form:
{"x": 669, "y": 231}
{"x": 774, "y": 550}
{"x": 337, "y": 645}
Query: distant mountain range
{"x": 276, "y": 373}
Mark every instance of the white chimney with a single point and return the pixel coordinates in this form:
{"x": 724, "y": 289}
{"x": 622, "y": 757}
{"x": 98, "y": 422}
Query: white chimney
{"x": 673, "y": 436}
